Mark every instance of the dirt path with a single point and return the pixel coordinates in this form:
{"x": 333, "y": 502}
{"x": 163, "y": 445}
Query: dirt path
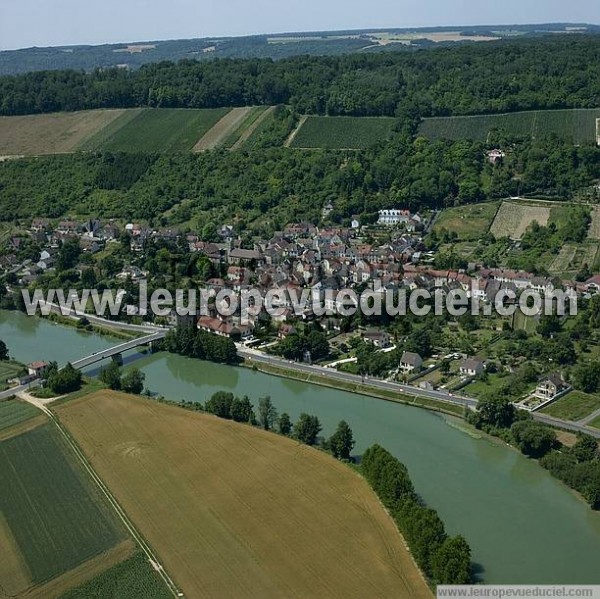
{"x": 219, "y": 133}
{"x": 290, "y": 139}
{"x": 250, "y": 130}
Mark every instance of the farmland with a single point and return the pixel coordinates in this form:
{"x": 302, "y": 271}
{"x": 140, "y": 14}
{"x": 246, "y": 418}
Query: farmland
{"x": 157, "y": 130}
{"x": 13, "y": 412}
{"x": 574, "y": 406}
{"x": 513, "y": 219}
{"x": 53, "y": 520}
{"x": 340, "y": 133}
{"x": 52, "y": 133}
{"x": 468, "y": 222}
{"x": 578, "y": 126}
{"x": 223, "y": 129}
{"x": 131, "y": 579}
{"x": 244, "y": 513}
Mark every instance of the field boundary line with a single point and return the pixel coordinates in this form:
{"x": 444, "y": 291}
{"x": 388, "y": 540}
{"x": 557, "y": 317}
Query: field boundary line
{"x": 292, "y": 135}
{"x": 129, "y": 525}
{"x": 247, "y": 134}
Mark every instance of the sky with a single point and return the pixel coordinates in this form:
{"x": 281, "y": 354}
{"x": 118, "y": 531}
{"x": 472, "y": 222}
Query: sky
{"x": 26, "y": 23}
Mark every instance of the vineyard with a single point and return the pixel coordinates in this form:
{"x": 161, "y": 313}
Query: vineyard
{"x": 578, "y": 126}
{"x": 341, "y": 133}
{"x": 513, "y": 219}
{"x": 156, "y": 130}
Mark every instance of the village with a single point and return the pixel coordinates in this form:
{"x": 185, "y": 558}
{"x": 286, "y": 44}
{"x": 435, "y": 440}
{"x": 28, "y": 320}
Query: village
{"x": 393, "y": 255}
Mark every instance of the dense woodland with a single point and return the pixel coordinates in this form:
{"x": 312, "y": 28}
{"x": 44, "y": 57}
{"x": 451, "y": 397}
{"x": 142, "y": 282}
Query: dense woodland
{"x": 289, "y": 185}
{"x": 553, "y": 72}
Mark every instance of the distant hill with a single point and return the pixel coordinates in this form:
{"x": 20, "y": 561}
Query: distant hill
{"x": 135, "y": 54}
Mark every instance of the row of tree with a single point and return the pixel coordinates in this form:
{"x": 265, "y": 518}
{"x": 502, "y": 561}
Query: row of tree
{"x": 443, "y": 559}
{"x": 306, "y": 429}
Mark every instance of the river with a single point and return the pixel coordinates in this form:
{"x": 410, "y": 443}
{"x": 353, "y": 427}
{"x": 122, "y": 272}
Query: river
{"x": 523, "y": 525}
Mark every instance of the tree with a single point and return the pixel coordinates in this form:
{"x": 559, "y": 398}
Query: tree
{"x": 220, "y": 404}
{"x": 451, "y": 563}
{"x": 533, "y": 439}
{"x": 341, "y": 442}
{"x": 3, "y": 351}
{"x": 133, "y": 381}
{"x": 241, "y": 409}
{"x": 66, "y": 380}
{"x": 496, "y": 412}
{"x": 585, "y": 449}
{"x": 586, "y": 377}
{"x": 285, "y": 424}
{"x": 267, "y": 414}
{"x": 307, "y": 429}
{"x": 111, "y": 376}
{"x": 68, "y": 255}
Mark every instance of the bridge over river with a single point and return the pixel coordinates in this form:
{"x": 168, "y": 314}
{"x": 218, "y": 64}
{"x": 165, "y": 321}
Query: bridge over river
{"x": 118, "y": 349}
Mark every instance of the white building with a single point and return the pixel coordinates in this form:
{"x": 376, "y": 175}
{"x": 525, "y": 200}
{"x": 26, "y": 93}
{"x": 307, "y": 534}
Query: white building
{"x": 393, "y": 217}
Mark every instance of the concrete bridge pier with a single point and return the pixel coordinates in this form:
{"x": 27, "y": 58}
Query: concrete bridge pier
{"x": 118, "y": 358}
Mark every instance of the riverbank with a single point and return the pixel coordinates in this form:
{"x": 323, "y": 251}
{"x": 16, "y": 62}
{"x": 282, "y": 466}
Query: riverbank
{"x": 360, "y": 389}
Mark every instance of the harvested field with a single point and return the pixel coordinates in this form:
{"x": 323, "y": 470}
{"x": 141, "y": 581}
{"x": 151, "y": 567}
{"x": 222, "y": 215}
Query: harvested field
{"x": 233, "y": 511}
{"x": 215, "y": 136}
{"x": 55, "y": 516}
{"x": 57, "y": 133}
{"x": 513, "y": 219}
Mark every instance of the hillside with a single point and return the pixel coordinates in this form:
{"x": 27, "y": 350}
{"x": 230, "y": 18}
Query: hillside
{"x": 132, "y": 55}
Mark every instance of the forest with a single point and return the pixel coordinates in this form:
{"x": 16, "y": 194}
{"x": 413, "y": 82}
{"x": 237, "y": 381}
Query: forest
{"x": 503, "y": 76}
{"x": 289, "y": 185}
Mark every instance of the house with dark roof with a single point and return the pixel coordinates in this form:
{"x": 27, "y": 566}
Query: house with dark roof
{"x": 410, "y": 362}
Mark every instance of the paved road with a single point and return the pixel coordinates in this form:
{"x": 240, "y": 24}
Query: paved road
{"x": 98, "y": 320}
{"x": 330, "y": 373}
{"x": 438, "y": 395}
{"x": 10, "y": 392}
{"x": 576, "y": 427}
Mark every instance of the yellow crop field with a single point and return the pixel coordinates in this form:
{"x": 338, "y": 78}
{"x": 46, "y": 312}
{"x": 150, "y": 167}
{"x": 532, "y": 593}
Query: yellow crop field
{"x": 234, "y": 511}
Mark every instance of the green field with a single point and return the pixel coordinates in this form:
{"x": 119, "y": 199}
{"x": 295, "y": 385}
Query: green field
{"x": 578, "y": 126}
{"x": 13, "y": 412}
{"x": 595, "y": 423}
{"x": 240, "y": 133}
{"x": 342, "y": 132}
{"x": 131, "y": 579}
{"x": 574, "y": 406}
{"x": 155, "y": 130}
{"x": 468, "y": 222}
{"x": 55, "y": 515}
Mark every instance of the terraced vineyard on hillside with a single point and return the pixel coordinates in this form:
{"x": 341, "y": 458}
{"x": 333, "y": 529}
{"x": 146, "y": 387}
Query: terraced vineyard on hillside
{"x": 578, "y": 126}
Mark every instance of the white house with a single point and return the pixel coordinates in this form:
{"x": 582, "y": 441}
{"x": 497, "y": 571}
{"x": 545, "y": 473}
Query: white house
{"x": 393, "y": 217}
